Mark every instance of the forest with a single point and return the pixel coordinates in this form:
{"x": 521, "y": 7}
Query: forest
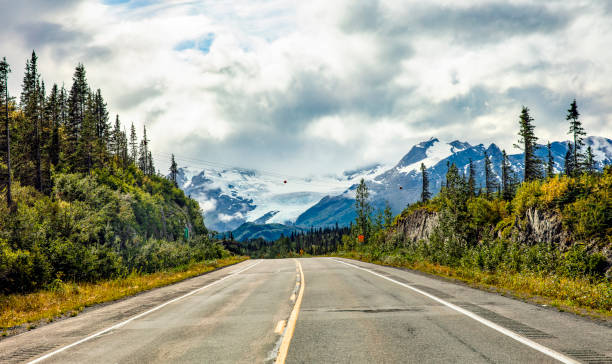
{"x": 81, "y": 200}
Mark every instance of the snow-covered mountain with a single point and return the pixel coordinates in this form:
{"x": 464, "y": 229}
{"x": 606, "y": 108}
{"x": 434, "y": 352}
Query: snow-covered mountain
{"x": 401, "y": 184}
{"x": 232, "y": 197}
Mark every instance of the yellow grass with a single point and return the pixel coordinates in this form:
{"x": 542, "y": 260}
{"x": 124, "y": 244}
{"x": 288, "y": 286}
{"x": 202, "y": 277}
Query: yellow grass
{"x": 578, "y": 295}
{"x": 71, "y": 298}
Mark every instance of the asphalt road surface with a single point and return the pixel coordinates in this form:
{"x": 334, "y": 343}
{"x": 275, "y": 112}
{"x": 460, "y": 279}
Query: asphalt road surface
{"x": 315, "y": 310}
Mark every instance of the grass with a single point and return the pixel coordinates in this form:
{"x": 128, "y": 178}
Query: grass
{"x": 68, "y": 299}
{"x": 578, "y": 295}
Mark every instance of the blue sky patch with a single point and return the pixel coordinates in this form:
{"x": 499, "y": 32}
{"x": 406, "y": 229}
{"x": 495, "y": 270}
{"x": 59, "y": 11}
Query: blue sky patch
{"x": 202, "y": 44}
{"x": 130, "y": 3}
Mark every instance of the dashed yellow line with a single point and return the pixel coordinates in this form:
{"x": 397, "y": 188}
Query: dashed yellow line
{"x": 284, "y": 347}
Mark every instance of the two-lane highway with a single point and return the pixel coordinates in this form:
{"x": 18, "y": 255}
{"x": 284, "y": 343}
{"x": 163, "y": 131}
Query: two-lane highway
{"x": 341, "y": 311}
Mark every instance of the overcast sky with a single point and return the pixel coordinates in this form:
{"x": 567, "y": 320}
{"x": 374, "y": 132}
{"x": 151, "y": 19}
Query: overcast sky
{"x": 318, "y": 86}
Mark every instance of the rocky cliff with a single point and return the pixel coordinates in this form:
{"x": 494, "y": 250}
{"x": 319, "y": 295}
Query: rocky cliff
{"x": 536, "y": 226}
{"x": 417, "y": 226}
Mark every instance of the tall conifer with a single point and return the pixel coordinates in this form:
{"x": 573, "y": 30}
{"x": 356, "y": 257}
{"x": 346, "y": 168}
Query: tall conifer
{"x": 589, "y": 160}
{"x": 4, "y": 105}
{"x": 425, "y": 194}
{"x": 133, "y": 144}
{"x": 77, "y": 103}
{"x": 507, "y": 180}
{"x": 489, "y": 175}
{"x": 569, "y": 168}
{"x": 577, "y": 132}
{"x": 550, "y": 165}
{"x": 527, "y": 142}
{"x": 173, "y": 171}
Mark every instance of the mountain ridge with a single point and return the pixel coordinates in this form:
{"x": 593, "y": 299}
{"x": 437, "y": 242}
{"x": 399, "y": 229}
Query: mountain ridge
{"x": 232, "y": 197}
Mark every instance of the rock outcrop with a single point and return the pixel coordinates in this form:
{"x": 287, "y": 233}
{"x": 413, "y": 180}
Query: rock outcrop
{"x": 540, "y": 226}
{"x": 418, "y": 225}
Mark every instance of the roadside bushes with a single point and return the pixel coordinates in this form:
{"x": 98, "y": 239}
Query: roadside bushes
{"x": 477, "y": 232}
{"x": 98, "y": 226}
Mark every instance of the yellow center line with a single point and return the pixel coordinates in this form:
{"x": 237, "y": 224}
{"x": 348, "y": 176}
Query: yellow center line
{"x": 284, "y": 347}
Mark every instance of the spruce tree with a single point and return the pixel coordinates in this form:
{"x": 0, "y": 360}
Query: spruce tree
{"x": 577, "y": 131}
{"x": 471, "y": 184}
{"x": 133, "y": 144}
{"x": 363, "y": 209}
{"x": 115, "y": 139}
{"x": 124, "y": 152}
{"x": 102, "y": 126}
{"x": 425, "y": 194}
{"x": 77, "y": 102}
{"x": 44, "y": 142}
{"x": 550, "y": 166}
{"x": 143, "y": 160}
{"x": 569, "y": 161}
{"x": 387, "y": 215}
{"x": 589, "y": 160}
{"x": 527, "y": 142}
{"x": 29, "y": 171}
{"x": 173, "y": 171}
{"x": 4, "y": 101}
{"x": 489, "y": 176}
{"x": 87, "y": 139}
{"x": 507, "y": 182}
{"x": 150, "y": 166}
{"x": 54, "y": 111}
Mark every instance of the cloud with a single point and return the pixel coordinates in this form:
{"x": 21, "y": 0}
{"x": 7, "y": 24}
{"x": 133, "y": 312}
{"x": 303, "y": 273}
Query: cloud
{"x": 322, "y": 86}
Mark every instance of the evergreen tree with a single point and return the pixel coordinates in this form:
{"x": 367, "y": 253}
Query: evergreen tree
{"x": 490, "y": 183}
{"x": 44, "y": 143}
{"x": 569, "y": 161}
{"x": 363, "y": 209}
{"x": 425, "y": 194}
{"x": 29, "y": 170}
{"x": 507, "y": 180}
{"x": 471, "y": 184}
{"x": 143, "y": 159}
{"x": 173, "y": 171}
{"x": 124, "y": 152}
{"x": 63, "y": 120}
{"x": 527, "y": 142}
{"x": 54, "y": 111}
{"x": 387, "y": 216}
{"x": 115, "y": 139}
{"x": 589, "y": 161}
{"x": 87, "y": 144}
{"x": 550, "y": 166}
{"x": 77, "y": 103}
{"x": 577, "y": 132}
{"x": 102, "y": 126}
{"x": 4, "y": 105}
{"x": 133, "y": 144}
{"x": 151, "y": 166}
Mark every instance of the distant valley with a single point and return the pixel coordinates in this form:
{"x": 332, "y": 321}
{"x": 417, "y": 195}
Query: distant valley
{"x": 257, "y": 204}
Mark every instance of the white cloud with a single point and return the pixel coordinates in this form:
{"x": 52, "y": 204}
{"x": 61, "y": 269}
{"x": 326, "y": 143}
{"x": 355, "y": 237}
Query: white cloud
{"x": 321, "y": 86}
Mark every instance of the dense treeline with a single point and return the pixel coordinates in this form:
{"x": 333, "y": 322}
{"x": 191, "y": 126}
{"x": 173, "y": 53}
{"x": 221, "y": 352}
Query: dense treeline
{"x": 80, "y": 199}
{"x": 66, "y": 131}
{"x": 313, "y": 242}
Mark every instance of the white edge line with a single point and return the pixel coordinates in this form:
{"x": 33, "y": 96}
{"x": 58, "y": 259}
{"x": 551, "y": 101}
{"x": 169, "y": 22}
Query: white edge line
{"x": 46, "y": 356}
{"x": 532, "y": 344}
